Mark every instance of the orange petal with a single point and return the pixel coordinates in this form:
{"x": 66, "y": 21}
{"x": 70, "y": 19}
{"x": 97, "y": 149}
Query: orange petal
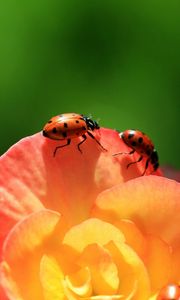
{"x": 176, "y": 265}
{"x": 103, "y": 270}
{"x": 80, "y": 282}
{"x": 107, "y": 297}
{"x": 134, "y": 279}
{"x": 158, "y": 261}
{"x": 151, "y": 202}
{"x": 51, "y": 278}
{"x": 29, "y": 234}
{"x": 133, "y": 235}
{"x": 23, "y": 247}
{"x": 92, "y": 231}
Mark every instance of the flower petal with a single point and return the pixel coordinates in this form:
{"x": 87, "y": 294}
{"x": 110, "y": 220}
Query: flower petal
{"x": 158, "y": 261}
{"x": 91, "y": 231}
{"x": 156, "y": 254}
{"x": 170, "y": 172}
{"x": 30, "y": 233}
{"x": 133, "y": 236}
{"x": 103, "y": 270}
{"x": 79, "y": 282}
{"x": 51, "y": 278}
{"x": 134, "y": 279}
{"x": 151, "y": 202}
{"x": 32, "y": 178}
{"x": 23, "y": 247}
{"x": 82, "y": 237}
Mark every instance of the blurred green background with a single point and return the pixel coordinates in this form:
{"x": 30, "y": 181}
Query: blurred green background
{"x": 117, "y": 60}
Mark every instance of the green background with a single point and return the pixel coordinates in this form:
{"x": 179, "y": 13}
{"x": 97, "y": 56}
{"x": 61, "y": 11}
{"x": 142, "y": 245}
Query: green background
{"x": 116, "y": 60}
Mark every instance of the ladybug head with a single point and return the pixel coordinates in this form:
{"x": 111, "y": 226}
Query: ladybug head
{"x": 91, "y": 124}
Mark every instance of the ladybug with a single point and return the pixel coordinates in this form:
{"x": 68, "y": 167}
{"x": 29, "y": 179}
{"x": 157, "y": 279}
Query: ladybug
{"x": 140, "y": 143}
{"x": 169, "y": 292}
{"x": 68, "y": 126}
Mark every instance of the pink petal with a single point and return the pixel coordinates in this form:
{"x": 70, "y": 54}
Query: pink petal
{"x": 32, "y": 178}
{"x": 172, "y": 173}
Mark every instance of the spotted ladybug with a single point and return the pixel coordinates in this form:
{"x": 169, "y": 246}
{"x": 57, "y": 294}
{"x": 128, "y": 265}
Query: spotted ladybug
{"x": 68, "y": 126}
{"x": 169, "y": 292}
{"x": 140, "y": 143}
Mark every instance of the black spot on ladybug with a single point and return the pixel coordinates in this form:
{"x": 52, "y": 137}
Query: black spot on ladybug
{"x": 130, "y": 135}
{"x": 140, "y": 140}
{"x": 133, "y": 143}
{"x": 83, "y": 128}
{"x": 64, "y": 134}
{"x": 50, "y": 121}
{"x": 65, "y": 125}
{"x": 140, "y": 143}
{"x": 77, "y": 121}
{"x": 54, "y": 130}
{"x": 45, "y": 133}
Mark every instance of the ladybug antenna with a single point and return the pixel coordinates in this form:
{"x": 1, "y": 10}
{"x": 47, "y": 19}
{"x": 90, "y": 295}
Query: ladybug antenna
{"x": 90, "y": 116}
{"x": 98, "y": 119}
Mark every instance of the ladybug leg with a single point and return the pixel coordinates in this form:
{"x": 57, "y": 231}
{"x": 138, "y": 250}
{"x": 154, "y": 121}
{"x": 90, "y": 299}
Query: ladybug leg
{"x": 134, "y": 162}
{"x": 146, "y": 166}
{"x": 68, "y": 142}
{"x": 131, "y": 152}
{"x": 92, "y": 136}
{"x": 84, "y": 138}
{"x": 155, "y": 167}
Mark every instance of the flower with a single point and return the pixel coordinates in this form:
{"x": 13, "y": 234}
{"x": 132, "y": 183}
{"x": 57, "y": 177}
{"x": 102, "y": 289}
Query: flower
{"x": 83, "y": 225}
{"x": 170, "y": 172}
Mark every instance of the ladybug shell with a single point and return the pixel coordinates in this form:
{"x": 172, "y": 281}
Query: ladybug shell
{"x": 138, "y": 141}
{"x": 65, "y": 126}
{"x": 169, "y": 292}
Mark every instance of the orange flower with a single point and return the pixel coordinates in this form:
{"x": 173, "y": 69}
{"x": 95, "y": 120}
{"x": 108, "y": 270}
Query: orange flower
{"x": 83, "y": 226}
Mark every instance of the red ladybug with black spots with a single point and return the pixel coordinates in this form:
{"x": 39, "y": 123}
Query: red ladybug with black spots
{"x": 68, "y": 126}
{"x": 142, "y": 144}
